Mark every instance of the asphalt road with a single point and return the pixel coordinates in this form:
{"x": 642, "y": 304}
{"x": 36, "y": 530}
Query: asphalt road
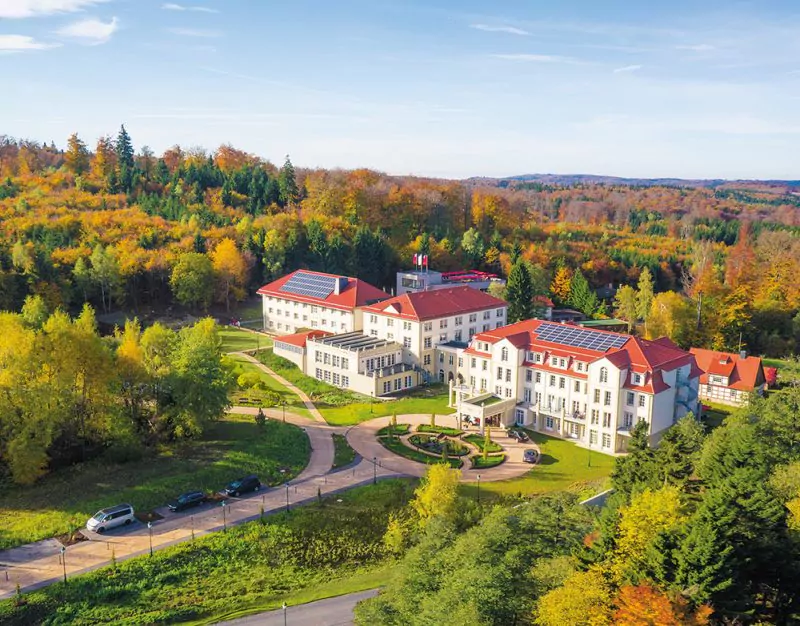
{"x": 330, "y": 612}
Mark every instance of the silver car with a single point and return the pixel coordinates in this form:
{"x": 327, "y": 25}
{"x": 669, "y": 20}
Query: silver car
{"x": 105, "y": 519}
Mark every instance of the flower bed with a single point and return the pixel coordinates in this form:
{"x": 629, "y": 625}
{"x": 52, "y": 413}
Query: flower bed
{"x": 493, "y": 460}
{"x": 431, "y": 444}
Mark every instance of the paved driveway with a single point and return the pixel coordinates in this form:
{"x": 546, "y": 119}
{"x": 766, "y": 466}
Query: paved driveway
{"x": 329, "y": 612}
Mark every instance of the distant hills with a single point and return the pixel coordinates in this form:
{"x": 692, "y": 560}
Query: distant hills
{"x": 568, "y": 180}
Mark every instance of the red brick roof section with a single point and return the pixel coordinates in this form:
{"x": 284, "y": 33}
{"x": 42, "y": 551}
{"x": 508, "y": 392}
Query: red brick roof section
{"x": 427, "y": 305}
{"x": 743, "y": 374}
{"x": 299, "y": 339}
{"x": 356, "y": 293}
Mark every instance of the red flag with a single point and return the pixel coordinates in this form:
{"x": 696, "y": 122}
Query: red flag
{"x": 415, "y": 260}
{"x": 425, "y": 260}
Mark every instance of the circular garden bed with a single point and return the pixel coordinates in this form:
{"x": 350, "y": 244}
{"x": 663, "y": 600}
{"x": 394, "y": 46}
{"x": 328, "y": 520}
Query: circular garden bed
{"x": 435, "y": 445}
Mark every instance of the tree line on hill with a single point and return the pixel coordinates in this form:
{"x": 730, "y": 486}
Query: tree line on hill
{"x": 68, "y": 394}
{"x": 118, "y": 228}
{"x": 703, "y": 529}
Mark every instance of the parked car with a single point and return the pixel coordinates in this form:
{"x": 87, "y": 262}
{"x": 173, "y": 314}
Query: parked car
{"x": 518, "y": 435}
{"x": 530, "y": 456}
{"x": 243, "y": 485}
{"x": 187, "y": 500}
{"x": 105, "y": 519}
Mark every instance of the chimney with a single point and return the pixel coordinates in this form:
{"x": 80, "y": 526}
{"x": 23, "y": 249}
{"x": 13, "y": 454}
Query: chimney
{"x": 743, "y": 354}
{"x": 340, "y": 284}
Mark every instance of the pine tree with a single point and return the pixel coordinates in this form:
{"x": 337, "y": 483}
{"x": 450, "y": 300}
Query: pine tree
{"x": 287, "y": 183}
{"x": 519, "y": 293}
{"x": 644, "y": 295}
{"x": 77, "y": 155}
{"x": 581, "y": 296}
{"x": 125, "y": 162}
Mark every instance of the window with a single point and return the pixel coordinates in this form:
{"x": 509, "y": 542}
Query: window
{"x": 406, "y": 325}
{"x": 508, "y": 376}
{"x": 538, "y": 397}
{"x": 637, "y": 379}
{"x": 484, "y": 365}
{"x": 450, "y": 359}
{"x": 305, "y": 318}
{"x": 554, "y": 361}
{"x": 387, "y": 386}
{"x": 390, "y": 322}
{"x": 313, "y": 309}
{"x": 595, "y": 416}
{"x": 593, "y": 437}
{"x": 461, "y": 361}
{"x": 607, "y": 399}
{"x": 473, "y": 317}
{"x": 318, "y": 374}
{"x": 336, "y": 360}
{"x": 549, "y": 423}
{"x": 324, "y": 322}
{"x": 427, "y": 359}
{"x": 459, "y": 320}
{"x": 538, "y": 377}
{"x": 562, "y": 363}
{"x": 483, "y": 384}
{"x": 327, "y": 376}
{"x": 318, "y": 357}
{"x": 472, "y": 332}
{"x": 373, "y": 333}
{"x": 499, "y": 373}
{"x": 326, "y": 359}
{"x": 487, "y": 315}
{"x": 579, "y": 366}
{"x": 397, "y": 383}
{"x": 442, "y": 323}
{"x": 333, "y": 324}
{"x": 428, "y": 326}
{"x": 577, "y": 386}
{"x": 498, "y": 390}
{"x": 472, "y": 382}
{"x": 528, "y": 376}
{"x": 472, "y": 362}
{"x": 345, "y": 363}
{"x": 597, "y": 395}
{"x": 628, "y": 420}
{"x": 562, "y": 382}
{"x": 606, "y": 420}
{"x": 537, "y": 358}
{"x": 552, "y": 381}
{"x": 441, "y": 357}
{"x": 606, "y": 440}
{"x": 336, "y": 379}
{"x": 508, "y": 392}
{"x": 373, "y": 319}
{"x": 345, "y": 381}
{"x": 499, "y": 313}
{"x": 486, "y": 327}
{"x": 457, "y": 335}
{"x": 519, "y": 416}
{"x": 641, "y": 401}
{"x": 406, "y": 342}
{"x": 526, "y": 395}
{"x": 504, "y": 354}
{"x": 629, "y": 398}
{"x": 603, "y": 374}
{"x": 428, "y": 342}
{"x": 407, "y": 381}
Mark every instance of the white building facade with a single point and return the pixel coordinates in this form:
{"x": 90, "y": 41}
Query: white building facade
{"x": 313, "y": 300}
{"x": 587, "y": 385}
{"x": 421, "y": 322}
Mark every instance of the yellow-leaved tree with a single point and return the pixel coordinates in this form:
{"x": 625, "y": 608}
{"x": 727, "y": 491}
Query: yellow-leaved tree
{"x": 561, "y": 285}
{"x": 230, "y": 269}
{"x": 437, "y": 495}
{"x": 583, "y": 600}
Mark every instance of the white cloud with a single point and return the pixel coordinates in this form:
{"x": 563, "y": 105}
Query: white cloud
{"x": 536, "y": 58}
{"x": 627, "y": 68}
{"x": 18, "y": 43}
{"x": 194, "y": 32}
{"x": 93, "y": 32}
{"x": 702, "y": 47}
{"x": 171, "y": 6}
{"x": 512, "y": 30}
{"x": 31, "y": 8}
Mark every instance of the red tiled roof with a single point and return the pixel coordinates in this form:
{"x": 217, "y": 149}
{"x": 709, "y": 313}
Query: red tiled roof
{"x": 299, "y": 339}
{"x": 743, "y": 374}
{"x": 426, "y": 305}
{"x": 356, "y": 293}
{"x": 642, "y": 356}
{"x": 544, "y": 301}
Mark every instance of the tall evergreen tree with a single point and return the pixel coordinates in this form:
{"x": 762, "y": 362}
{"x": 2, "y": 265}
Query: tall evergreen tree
{"x": 125, "y": 161}
{"x": 581, "y": 296}
{"x": 287, "y": 183}
{"x": 644, "y": 295}
{"x": 519, "y": 293}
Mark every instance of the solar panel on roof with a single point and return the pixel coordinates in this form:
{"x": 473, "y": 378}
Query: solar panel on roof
{"x": 313, "y": 285}
{"x": 579, "y": 337}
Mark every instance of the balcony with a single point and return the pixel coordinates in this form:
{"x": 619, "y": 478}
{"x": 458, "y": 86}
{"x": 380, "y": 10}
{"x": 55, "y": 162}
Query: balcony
{"x": 625, "y": 430}
{"x": 575, "y": 416}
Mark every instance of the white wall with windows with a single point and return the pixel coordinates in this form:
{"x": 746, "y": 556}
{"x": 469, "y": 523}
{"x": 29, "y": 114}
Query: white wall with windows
{"x": 284, "y": 316}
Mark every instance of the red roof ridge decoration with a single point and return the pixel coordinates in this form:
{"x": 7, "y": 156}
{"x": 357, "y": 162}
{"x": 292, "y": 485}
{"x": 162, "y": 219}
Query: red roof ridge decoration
{"x": 426, "y": 305}
{"x": 357, "y": 293}
{"x": 743, "y": 373}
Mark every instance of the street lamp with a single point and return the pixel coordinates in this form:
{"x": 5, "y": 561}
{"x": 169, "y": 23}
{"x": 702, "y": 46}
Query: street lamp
{"x": 374, "y": 470}
{"x": 64, "y": 562}
{"x": 150, "y": 532}
{"x": 479, "y": 487}
{"x": 224, "y": 521}
{"x": 287, "y": 497}
{"x": 284, "y": 614}
{"x": 283, "y": 406}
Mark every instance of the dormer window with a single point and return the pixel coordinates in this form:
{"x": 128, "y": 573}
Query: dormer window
{"x": 504, "y": 354}
{"x": 637, "y": 379}
{"x": 603, "y": 374}
{"x": 554, "y": 361}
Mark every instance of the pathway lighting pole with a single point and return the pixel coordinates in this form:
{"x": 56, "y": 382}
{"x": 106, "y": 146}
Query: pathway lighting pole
{"x": 283, "y": 406}
{"x": 150, "y": 533}
{"x": 374, "y": 470}
{"x": 479, "y": 487}
{"x": 224, "y": 521}
{"x": 284, "y": 614}
{"x": 287, "y": 497}
{"x": 64, "y": 562}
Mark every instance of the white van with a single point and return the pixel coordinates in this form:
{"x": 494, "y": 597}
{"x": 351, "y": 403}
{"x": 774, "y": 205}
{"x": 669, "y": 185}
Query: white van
{"x": 103, "y": 520}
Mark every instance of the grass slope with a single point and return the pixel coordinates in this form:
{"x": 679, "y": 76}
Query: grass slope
{"x": 293, "y": 402}
{"x": 229, "y": 448}
{"x": 564, "y": 466}
{"x": 343, "y": 453}
{"x": 315, "y": 551}
{"x": 236, "y": 340}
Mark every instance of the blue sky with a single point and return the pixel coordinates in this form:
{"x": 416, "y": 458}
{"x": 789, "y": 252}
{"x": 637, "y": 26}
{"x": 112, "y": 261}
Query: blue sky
{"x": 679, "y": 88}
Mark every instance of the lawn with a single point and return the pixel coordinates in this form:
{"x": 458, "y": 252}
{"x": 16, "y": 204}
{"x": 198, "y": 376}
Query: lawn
{"x": 716, "y": 415}
{"x": 252, "y": 396}
{"x": 493, "y": 460}
{"x": 343, "y": 453}
{"x": 788, "y": 369}
{"x": 439, "y": 430}
{"x": 237, "y": 340}
{"x": 232, "y": 447}
{"x": 314, "y": 551}
{"x": 479, "y": 441}
{"x": 344, "y": 408}
{"x": 563, "y": 466}
{"x": 399, "y": 448}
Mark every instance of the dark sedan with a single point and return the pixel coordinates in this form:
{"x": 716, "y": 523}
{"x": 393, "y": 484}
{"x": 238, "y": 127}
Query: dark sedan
{"x": 243, "y": 485}
{"x": 530, "y": 456}
{"x": 187, "y": 500}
